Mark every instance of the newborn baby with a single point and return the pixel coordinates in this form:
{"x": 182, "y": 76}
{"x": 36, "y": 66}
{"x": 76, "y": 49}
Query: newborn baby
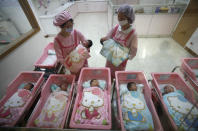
{"x": 28, "y": 86}
{"x": 168, "y": 89}
{"x": 94, "y": 83}
{"x": 132, "y": 86}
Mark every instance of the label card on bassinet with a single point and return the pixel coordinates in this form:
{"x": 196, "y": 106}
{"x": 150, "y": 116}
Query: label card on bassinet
{"x": 164, "y": 77}
{"x": 96, "y": 72}
{"x": 193, "y": 62}
{"x": 131, "y": 76}
{"x": 36, "y": 75}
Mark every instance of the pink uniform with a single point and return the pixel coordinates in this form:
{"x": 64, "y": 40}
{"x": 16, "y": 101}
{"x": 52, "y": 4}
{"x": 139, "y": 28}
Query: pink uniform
{"x": 127, "y": 38}
{"x": 64, "y": 45}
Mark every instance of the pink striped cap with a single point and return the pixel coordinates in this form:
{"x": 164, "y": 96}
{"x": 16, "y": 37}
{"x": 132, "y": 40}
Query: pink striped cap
{"x": 61, "y": 18}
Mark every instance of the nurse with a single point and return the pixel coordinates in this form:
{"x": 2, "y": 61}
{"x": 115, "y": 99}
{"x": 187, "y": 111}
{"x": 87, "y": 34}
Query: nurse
{"x": 68, "y": 38}
{"x": 124, "y": 34}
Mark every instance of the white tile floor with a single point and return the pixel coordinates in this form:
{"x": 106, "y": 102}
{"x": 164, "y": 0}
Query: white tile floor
{"x": 154, "y": 54}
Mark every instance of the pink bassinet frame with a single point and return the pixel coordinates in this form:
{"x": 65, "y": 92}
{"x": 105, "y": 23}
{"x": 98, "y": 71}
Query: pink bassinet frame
{"x": 46, "y": 91}
{"x": 138, "y": 77}
{"x": 179, "y": 83}
{"x": 85, "y": 75}
{"x": 44, "y": 56}
{"x": 26, "y": 76}
{"x": 186, "y": 68}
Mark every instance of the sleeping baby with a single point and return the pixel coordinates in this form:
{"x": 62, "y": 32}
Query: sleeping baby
{"x": 135, "y": 112}
{"x": 178, "y": 107}
{"x": 93, "y": 106}
{"x": 11, "y": 109}
{"x": 53, "y": 111}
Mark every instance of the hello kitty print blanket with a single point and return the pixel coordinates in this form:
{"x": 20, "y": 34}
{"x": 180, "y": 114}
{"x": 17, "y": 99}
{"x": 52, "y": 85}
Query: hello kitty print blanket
{"x": 178, "y": 106}
{"x": 76, "y": 59}
{"x": 135, "y": 112}
{"x": 93, "y": 107}
{"x": 114, "y": 52}
{"x": 53, "y": 111}
{"x": 12, "y": 109}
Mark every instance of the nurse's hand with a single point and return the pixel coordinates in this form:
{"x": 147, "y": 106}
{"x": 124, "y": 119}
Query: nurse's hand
{"x": 130, "y": 57}
{"x": 103, "y": 39}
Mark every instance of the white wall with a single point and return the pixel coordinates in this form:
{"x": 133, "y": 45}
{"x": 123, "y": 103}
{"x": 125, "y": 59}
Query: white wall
{"x": 21, "y": 59}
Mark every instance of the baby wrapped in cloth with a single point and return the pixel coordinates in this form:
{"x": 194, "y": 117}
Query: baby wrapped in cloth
{"x": 93, "y": 107}
{"x": 53, "y": 111}
{"x": 76, "y": 59}
{"x": 114, "y": 52}
{"x": 11, "y": 110}
{"x": 178, "y": 107}
{"x": 135, "y": 112}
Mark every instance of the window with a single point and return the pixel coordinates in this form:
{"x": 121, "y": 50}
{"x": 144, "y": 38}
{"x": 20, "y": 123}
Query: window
{"x": 17, "y": 24}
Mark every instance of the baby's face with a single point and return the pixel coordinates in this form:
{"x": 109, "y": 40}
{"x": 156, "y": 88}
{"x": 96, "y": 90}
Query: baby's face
{"x": 94, "y": 83}
{"x": 63, "y": 87}
{"x": 28, "y": 86}
{"x": 168, "y": 89}
{"x": 133, "y": 87}
{"x": 85, "y": 43}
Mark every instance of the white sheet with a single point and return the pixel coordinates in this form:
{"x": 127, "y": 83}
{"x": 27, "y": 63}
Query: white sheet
{"x": 51, "y": 59}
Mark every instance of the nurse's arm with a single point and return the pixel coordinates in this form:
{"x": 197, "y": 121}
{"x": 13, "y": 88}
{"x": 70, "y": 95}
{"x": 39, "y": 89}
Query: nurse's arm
{"x": 133, "y": 47}
{"x": 58, "y": 52}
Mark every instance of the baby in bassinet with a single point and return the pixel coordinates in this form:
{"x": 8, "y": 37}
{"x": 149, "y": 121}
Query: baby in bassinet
{"x": 10, "y": 111}
{"x": 53, "y": 111}
{"x": 93, "y": 106}
{"x": 94, "y": 83}
{"x": 178, "y": 107}
{"x": 136, "y": 114}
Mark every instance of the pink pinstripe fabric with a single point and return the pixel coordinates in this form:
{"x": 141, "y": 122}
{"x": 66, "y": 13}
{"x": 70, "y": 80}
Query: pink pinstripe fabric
{"x": 61, "y": 18}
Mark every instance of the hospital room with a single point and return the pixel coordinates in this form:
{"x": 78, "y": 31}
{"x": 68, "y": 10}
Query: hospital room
{"x": 125, "y": 65}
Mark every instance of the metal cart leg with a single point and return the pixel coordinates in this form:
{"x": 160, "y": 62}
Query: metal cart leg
{"x": 113, "y": 87}
{"x": 175, "y": 68}
{"x": 186, "y": 116}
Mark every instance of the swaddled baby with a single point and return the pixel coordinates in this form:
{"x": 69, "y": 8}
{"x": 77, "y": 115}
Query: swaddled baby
{"x": 135, "y": 112}
{"x": 11, "y": 109}
{"x": 178, "y": 107}
{"x": 53, "y": 111}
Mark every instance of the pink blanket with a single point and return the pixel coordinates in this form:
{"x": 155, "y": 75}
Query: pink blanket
{"x": 12, "y": 109}
{"x": 76, "y": 59}
{"x": 93, "y": 107}
{"x": 53, "y": 111}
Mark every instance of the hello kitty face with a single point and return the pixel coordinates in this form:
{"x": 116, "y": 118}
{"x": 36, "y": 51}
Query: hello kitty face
{"x": 75, "y": 57}
{"x": 181, "y": 105}
{"x": 91, "y": 100}
{"x": 132, "y": 103}
{"x": 14, "y": 101}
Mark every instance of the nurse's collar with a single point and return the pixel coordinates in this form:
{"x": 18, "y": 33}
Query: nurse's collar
{"x": 127, "y": 30}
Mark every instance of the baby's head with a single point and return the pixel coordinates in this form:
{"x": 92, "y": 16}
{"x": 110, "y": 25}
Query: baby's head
{"x": 28, "y": 86}
{"x": 94, "y": 82}
{"x": 88, "y": 43}
{"x": 168, "y": 89}
{"x": 63, "y": 87}
{"x": 132, "y": 86}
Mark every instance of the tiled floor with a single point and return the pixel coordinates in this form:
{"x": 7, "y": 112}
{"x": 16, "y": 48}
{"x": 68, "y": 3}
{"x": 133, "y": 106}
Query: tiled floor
{"x": 154, "y": 54}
